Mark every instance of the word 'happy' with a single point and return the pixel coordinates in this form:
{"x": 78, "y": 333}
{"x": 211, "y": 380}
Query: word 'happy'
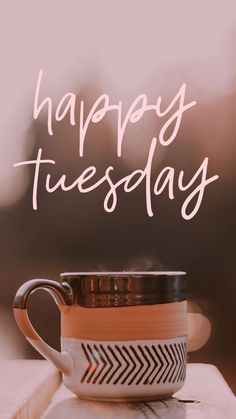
{"x": 164, "y": 180}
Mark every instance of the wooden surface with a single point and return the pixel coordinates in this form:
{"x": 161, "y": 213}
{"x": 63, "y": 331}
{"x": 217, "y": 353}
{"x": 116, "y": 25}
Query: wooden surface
{"x": 32, "y": 390}
{"x": 205, "y": 395}
{"x": 26, "y": 388}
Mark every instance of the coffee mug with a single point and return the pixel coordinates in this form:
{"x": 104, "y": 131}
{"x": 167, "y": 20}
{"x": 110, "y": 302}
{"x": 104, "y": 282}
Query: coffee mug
{"x": 123, "y": 334}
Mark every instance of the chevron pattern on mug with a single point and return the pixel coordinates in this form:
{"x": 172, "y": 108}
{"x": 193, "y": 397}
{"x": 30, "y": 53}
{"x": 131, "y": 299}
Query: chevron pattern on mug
{"x": 134, "y": 363}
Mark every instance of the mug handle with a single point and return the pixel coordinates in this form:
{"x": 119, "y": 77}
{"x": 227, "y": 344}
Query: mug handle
{"x": 63, "y": 297}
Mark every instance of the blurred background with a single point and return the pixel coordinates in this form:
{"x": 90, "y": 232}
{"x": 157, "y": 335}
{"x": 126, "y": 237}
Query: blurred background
{"x": 122, "y": 49}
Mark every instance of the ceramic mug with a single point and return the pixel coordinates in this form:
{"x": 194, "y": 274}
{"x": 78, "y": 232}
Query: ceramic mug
{"x": 123, "y": 334}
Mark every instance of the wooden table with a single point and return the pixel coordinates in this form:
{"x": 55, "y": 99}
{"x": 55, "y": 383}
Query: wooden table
{"x": 32, "y": 389}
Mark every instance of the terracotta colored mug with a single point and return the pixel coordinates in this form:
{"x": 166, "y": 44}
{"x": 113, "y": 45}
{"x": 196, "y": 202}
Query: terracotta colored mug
{"x": 123, "y": 334}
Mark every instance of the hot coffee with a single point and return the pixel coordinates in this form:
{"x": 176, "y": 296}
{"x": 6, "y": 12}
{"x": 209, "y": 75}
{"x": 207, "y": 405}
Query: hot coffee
{"x": 123, "y": 334}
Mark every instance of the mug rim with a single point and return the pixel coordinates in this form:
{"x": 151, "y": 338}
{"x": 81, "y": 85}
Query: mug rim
{"x": 123, "y": 273}
{"x": 126, "y": 288}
